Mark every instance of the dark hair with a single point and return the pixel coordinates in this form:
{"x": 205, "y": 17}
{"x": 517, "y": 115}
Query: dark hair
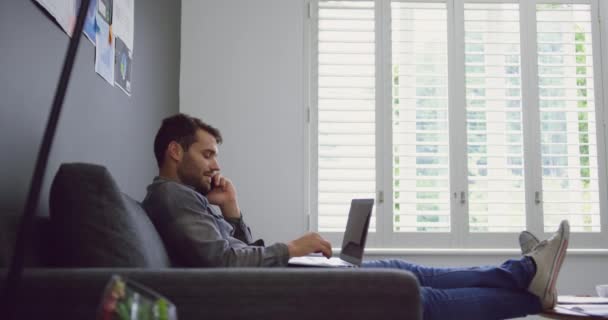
{"x": 180, "y": 128}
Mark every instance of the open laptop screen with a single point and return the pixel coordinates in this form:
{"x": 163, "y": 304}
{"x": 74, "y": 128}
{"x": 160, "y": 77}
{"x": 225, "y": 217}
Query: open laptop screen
{"x": 356, "y": 230}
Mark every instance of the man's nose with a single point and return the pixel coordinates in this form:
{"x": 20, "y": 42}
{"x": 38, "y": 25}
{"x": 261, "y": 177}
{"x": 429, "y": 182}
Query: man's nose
{"x": 215, "y": 165}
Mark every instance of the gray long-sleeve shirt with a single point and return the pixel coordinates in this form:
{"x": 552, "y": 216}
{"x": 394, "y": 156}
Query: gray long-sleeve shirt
{"x": 197, "y": 235}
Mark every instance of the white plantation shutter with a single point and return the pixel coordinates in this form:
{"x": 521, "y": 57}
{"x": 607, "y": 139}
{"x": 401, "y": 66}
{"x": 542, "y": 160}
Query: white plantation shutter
{"x": 569, "y": 151}
{"x": 346, "y": 110}
{"x": 494, "y": 118}
{"x": 421, "y": 195}
{"x": 512, "y": 85}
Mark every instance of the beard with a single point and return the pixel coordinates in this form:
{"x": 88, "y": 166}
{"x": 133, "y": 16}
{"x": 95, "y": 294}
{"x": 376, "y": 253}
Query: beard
{"x": 192, "y": 177}
{"x": 204, "y": 188}
{"x": 196, "y": 183}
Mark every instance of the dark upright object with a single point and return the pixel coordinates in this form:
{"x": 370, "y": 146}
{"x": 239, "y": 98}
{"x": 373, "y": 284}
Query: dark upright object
{"x": 16, "y": 267}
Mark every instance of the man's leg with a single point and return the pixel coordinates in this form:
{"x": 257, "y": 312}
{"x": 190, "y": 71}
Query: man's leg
{"x": 489, "y": 292}
{"x": 477, "y": 303}
{"x": 513, "y": 274}
{"x": 533, "y": 275}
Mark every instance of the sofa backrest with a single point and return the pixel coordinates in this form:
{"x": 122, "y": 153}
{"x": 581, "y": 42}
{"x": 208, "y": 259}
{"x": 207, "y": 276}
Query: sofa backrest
{"x": 94, "y": 224}
{"x": 37, "y": 246}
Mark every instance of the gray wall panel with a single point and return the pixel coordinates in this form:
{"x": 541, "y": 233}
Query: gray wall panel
{"x": 99, "y": 123}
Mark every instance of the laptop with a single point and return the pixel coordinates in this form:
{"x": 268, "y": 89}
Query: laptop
{"x": 352, "y": 244}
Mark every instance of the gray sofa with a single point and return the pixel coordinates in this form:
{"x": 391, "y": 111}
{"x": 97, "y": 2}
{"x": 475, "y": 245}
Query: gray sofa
{"x": 95, "y": 231}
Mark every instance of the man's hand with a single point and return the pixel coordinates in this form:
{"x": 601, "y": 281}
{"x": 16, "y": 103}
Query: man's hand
{"x": 309, "y": 243}
{"x": 223, "y": 194}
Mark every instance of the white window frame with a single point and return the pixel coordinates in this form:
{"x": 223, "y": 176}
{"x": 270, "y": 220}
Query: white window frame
{"x": 459, "y": 237}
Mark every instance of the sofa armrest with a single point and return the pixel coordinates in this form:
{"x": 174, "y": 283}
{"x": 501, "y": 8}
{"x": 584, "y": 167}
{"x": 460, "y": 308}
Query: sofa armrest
{"x": 243, "y": 293}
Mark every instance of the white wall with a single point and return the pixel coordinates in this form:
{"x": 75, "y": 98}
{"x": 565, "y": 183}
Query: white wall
{"x": 243, "y": 71}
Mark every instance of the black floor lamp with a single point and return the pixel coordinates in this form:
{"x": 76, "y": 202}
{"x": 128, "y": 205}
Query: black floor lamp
{"x": 10, "y": 297}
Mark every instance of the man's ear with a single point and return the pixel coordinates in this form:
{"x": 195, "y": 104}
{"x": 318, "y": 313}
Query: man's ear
{"x": 175, "y": 151}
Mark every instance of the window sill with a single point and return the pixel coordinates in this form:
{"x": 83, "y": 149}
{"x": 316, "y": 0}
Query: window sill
{"x": 472, "y": 252}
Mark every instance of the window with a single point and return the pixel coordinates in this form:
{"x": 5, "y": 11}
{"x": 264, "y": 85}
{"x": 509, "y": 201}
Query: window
{"x": 421, "y": 193}
{"x": 494, "y": 123}
{"x": 467, "y": 120}
{"x": 568, "y": 128}
{"x": 346, "y": 109}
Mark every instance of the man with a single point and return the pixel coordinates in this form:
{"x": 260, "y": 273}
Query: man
{"x": 196, "y": 212}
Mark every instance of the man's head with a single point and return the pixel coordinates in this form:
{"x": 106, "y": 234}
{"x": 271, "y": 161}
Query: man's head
{"x": 186, "y": 149}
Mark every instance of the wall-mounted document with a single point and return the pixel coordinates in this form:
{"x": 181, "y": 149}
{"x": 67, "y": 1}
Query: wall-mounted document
{"x": 104, "y": 53}
{"x": 65, "y": 12}
{"x": 90, "y": 23}
{"x": 122, "y": 26}
{"x": 61, "y": 10}
{"x": 122, "y": 66}
{"x": 109, "y": 25}
{"x": 122, "y": 21}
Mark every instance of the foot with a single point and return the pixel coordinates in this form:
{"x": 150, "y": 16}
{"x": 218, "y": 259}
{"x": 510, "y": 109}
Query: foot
{"x": 549, "y": 255}
{"x": 527, "y": 242}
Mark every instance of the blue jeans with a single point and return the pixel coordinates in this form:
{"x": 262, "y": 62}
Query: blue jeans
{"x": 484, "y": 293}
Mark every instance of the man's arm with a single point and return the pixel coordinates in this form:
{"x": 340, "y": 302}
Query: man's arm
{"x": 223, "y": 194}
{"x": 195, "y": 237}
{"x": 211, "y": 245}
{"x": 241, "y": 230}
{"x": 203, "y": 243}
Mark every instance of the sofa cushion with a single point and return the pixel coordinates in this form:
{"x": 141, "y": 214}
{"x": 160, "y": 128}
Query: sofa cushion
{"x": 96, "y": 225}
{"x": 37, "y": 243}
{"x": 9, "y": 223}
